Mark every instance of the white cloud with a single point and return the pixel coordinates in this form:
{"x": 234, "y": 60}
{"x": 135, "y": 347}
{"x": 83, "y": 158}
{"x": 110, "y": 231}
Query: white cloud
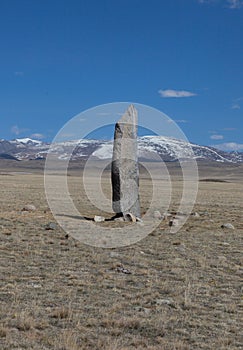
{"x": 171, "y": 121}
{"x": 232, "y": 4}
{"x": 19, "y": 74}
{"x": 37, "y": 136}
{"x": 235, "y": 106}
{"x": 175, "y": 93}
{"x": 17, "y": 131}
{"x": 236, "y": 102}
{"x": 235, "y": 4}
{"x": 229, "y": 129}
{"x": 216, "y": 137}
{"x": 181, "y": 121}
{"x": 207, "y": 1}
{"x": 230, "y": 146}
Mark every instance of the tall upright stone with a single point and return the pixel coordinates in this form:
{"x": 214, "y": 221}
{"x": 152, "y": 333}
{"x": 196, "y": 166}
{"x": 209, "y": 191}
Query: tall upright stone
{"x": 124, "y": 170}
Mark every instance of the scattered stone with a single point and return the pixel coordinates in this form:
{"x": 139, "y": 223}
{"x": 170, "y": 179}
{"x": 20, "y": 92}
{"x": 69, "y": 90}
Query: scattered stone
{"x": 226, "y": 244}
{"x": 114, "y": 255}
{"x": 157, "y": 215}
{"x": 129, "y": 217}
{"x": 35, "y": 285}
{"x": 165, "y": 302}
{"x": 181, "y": 248}
{"x": 62, "y": 242}
{"x": 176, "y": 243}
{"x": 228, "y": 226}
{"x": 7, "y": 232}
{"x": 51, "y": 226}
{"x": 98, "y": 218}
{"x": 142, "y": 309}
{"x": 123, "y": 270}
{"x": 205, "y": 213}
{"x": 29, "y": 207}
{"x": 167, "y": 215}
{"x": 124, "y": 168}
{"x": 174, "y": 222}
{"x": 50, "y": 242}
{"x": 195, "y": 214}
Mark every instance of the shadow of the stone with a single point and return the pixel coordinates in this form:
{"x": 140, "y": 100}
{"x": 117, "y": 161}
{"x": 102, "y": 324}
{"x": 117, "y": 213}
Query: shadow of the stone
{"x": 88, "y": 218}
{"x": 76, "y": 217}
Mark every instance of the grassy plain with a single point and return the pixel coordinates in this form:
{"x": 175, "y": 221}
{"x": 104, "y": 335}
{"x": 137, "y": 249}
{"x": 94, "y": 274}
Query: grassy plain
{"x": 183, "y": 292}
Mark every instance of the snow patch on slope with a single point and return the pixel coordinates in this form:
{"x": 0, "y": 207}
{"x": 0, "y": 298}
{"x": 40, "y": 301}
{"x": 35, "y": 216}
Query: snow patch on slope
{"x": 104, "y": 152}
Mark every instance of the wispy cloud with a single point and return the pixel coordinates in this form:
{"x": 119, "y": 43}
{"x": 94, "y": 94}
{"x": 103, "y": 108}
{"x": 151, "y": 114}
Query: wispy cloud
{"x": 205, "y": 1}
{"x": 19, "y": 74}
{"x": 209, "y": 1}
{"x": 232, "y": 4}
{"x": 103, "y": 114}
{"x": 229, "y": 129}
{"x": 236, "y": 102}
{"x": 37, "y": 136}
{"x": 175, "y": 93}
{"x": 230, "y": 146}
{"x": 183, "y": 121}
{"x": 17, "y": 131}
{"x": 235, "y": 106}
{"x": 235, "y": 4}
{"x": 216, "y": 137}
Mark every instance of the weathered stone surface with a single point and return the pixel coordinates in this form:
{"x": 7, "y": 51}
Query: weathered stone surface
{"x": 124, "y": 172}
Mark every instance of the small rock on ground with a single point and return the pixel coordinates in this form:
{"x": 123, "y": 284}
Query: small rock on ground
{"x": 98, "y": 218}
{"x": 157, "y": 215}
{"x": 174, "y": 222}
{"x": 195, "y": 215}
{"x": 129, "y": 217}
{"x": 29, "y": 207}
{"x": 123, "y": 270}
{"x": 50, "y": 226}
{"x": 228, "y": 226}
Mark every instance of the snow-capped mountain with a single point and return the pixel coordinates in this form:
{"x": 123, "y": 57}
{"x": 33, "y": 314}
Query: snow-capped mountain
{"x": 170, "y": 149}
{"x": 27, "y": 141}
{"x": 150, "y": 148}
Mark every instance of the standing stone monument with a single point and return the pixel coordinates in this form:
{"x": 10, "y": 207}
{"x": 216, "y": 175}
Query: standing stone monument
{"x": 124, "y": 170}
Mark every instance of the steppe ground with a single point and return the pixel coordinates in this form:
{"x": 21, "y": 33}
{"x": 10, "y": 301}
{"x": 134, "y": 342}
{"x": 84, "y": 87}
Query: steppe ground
{"x": 183, "y": 290}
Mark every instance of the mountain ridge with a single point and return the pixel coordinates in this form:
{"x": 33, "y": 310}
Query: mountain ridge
{"x": 149, "y": 148}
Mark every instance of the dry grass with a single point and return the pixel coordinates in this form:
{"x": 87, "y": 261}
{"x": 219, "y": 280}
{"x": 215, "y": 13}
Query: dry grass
{"x": 184, "y": 291}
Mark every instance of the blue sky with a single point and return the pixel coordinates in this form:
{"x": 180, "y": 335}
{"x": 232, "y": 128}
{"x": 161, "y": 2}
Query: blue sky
{"x": 183, "y": 57}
